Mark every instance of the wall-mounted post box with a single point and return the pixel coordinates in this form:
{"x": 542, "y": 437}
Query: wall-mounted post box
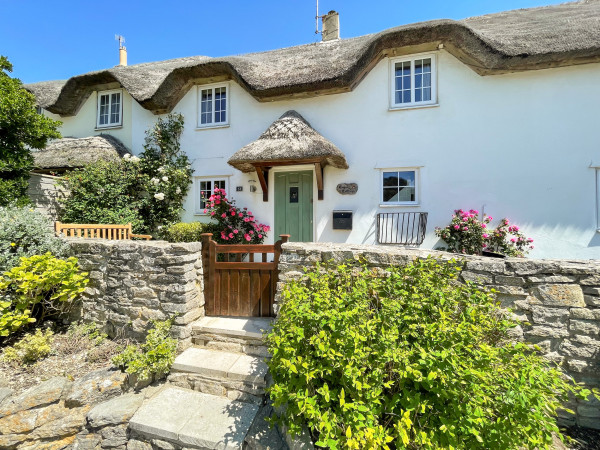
{"x": 342, "y": 220}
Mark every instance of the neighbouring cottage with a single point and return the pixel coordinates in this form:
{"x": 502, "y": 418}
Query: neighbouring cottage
{"x": 497, "y": 113}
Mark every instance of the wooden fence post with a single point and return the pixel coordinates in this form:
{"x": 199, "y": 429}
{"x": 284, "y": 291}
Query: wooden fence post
{"x": 207, "y": 263}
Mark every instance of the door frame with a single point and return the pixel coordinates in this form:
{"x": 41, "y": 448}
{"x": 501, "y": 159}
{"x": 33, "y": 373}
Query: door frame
{"x": 296, "y": 168}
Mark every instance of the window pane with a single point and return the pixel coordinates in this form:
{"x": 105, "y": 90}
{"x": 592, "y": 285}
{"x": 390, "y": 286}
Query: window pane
{"x": 103, "y": 119}
{"x": 406, "y": 194}
{"x": 406, "y": 178}
{"x": 390, "y": 194}
{"x": 206, "y": 106}
{"x": 220, "y": 105}
{"x": 205, "y": 193}
{"x": 115, "y": 108}
{"x": 402, "y": 82}
{"x": 390, "y": 178}
{"x": 220, "y": 184}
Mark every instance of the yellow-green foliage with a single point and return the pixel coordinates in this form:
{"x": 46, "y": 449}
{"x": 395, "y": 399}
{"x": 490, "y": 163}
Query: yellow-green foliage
{"x": 185, "y": 232}
{"x": 153, "y": 357}
{"x": 41, "y": 286}
{"x": 412, "y": 359}
{"x": 31, "y": 348}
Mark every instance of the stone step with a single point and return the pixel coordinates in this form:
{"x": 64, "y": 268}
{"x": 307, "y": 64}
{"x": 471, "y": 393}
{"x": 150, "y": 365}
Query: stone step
{"x": 232, "y": 334}
{"x": 193, "y": 420}
{"x": 232, "y": 375}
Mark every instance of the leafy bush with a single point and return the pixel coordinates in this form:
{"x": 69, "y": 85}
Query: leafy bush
{"x": 412, "y": 359}
{"x": 31, "y": 348}
{"x": 154, "y": 357}
{"x": 25, "y": 232}
{"x": 466, "y": 234}
{"x": 41, "y": 286}
{"x": 234, "y": 225}
{"x": 105, "y": 192}
{"x": 184, "y": 232}
{"x": 168, "y": 170}
{"x": 147, "y": 191}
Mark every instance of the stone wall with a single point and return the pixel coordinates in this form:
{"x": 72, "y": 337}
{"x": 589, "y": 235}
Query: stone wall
{"x": 45, "y": 195}
{"x": 559, "y": 299}
{"x": 133, "y": 282}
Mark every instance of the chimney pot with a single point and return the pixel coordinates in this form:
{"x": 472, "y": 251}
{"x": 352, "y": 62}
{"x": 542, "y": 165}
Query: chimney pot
{"x": 122, "y": 56}
{"x": 331, "y": 26}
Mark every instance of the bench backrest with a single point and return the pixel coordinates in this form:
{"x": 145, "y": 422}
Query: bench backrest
{"x": 96, "y": 231}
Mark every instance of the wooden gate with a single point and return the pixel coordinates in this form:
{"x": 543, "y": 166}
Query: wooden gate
{"x": 237, "y": 282}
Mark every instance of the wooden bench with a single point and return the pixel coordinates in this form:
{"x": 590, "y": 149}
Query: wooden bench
{"x": 97, "y": 231}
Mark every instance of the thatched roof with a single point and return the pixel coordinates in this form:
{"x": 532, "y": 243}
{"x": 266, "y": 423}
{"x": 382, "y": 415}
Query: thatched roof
{"x": 516, "y": 40}
{"x": 69, "y": 153}
{"x": 289, "y": 138}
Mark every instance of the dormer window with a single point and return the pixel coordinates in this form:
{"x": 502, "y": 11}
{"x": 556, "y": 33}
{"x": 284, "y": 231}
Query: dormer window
{"x": 413, "y": 82}
{"x": 110, "y": 109}
{"x": 213, "y": 106}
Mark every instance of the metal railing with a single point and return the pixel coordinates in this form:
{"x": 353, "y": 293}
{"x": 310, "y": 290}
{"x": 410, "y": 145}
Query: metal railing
{"x": 406, "y": 228}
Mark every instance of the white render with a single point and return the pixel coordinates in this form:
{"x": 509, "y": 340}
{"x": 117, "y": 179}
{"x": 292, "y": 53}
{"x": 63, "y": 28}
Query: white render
{"x": 519, "y": 145}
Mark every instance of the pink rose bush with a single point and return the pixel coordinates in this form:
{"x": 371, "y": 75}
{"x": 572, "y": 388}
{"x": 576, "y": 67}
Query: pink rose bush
{"x": 468, "y": 235}
{"x": 234, "y": 225}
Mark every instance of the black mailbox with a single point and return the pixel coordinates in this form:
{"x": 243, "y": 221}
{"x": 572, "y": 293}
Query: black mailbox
{"x": 342, "y": 220}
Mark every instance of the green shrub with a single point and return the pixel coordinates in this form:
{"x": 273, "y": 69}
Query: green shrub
{"x": 147, "y": 191}
{"x": 41, "y": 286}
{"x": 31, "y": 348}
{"x": 154, "y": 357}
{"x": 25, "y": 232}
{"x": 412, "y": 359}
{"x": 105, "y": 192}
{"x": 184, "y": 232}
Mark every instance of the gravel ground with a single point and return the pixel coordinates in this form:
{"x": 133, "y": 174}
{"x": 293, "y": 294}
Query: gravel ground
{"x": 75, "y": 352}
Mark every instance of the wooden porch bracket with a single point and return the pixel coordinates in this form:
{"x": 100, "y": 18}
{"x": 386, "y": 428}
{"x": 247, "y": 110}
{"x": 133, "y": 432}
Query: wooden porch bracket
{"x": 319, "y": 173}
{"x": 264, "y": 181}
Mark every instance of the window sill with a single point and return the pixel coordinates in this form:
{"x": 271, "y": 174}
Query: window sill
{"x": 402, "y": 108}
{"x": 212, "y": 127}
{"x": 398, "y": 205}
{"x": 112, "y": 127}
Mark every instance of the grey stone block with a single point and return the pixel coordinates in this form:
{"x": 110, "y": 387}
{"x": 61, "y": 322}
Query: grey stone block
{"x": 114, "y": 411}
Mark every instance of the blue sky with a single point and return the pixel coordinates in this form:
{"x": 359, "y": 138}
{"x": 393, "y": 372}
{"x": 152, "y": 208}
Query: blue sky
{"x": 56, "y": 39}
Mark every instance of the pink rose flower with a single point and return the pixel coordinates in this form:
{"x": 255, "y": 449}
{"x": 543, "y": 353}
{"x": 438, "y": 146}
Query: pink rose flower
{"x": 236, "y": 231}
{"x": 456, "y": 227}
{"x": 231, "y": 235}
{"x": 212, "y": 213}
{"x": 205, "y": 211}
{"x": 247, "y": 236}
{"x": 223, "y": 215}
{"x": 233, "y": 213}
{"x": 485, "y": 236}
{"x": 241, "y": 215}
{"x": 513, "y": 240}
{"x": 466, "y": 229}
{"x": 483, "y": 225}
{"x": 260, "y": 236}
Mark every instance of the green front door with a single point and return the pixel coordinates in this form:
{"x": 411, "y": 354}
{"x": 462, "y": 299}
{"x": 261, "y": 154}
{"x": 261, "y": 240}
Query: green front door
{"x": 294, "y": 205}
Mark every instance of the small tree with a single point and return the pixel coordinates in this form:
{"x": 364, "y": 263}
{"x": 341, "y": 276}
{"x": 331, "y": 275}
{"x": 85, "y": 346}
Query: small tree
{"x": 168, "y": 169}
{"x": 21, "y": 129}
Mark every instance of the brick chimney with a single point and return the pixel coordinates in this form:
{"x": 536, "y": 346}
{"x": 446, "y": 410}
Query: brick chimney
{"x": 331, "y": 26}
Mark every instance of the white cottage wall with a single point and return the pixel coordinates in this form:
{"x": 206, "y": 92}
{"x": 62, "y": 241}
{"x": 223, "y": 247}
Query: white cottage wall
{"x": 83, "y": 124}
{"x": 519, "y": 145}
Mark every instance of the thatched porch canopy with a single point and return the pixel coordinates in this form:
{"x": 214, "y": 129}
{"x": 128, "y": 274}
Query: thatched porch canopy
{"x": 70, "y": 153}
{"x": 290, "y": 140}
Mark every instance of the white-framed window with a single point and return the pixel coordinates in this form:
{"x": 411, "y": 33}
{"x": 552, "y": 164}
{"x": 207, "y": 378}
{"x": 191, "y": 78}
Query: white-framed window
{"x": 213, "y": 105}
{"x": 399, "y": 186}
{"x": 205, "y": 187}
{"x": 110, "y": 109}
{"x": 413, "y": 81}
